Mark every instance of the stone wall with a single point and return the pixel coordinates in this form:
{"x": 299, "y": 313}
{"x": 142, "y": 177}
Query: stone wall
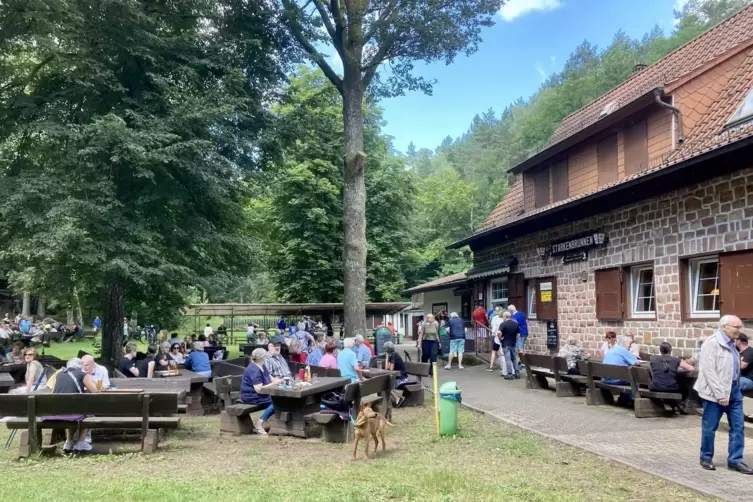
{"x": 715, "y": 216}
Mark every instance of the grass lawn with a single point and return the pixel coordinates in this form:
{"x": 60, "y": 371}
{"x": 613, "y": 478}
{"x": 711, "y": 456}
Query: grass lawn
{"x": 69, "y": 350}
{"x": 487, "y": 461}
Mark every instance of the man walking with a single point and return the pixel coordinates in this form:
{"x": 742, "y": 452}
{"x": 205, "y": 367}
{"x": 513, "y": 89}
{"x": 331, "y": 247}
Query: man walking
{"x": 719, "y": 389}
{"x": 457, "y": 340}
{"x": 509, "y": 334}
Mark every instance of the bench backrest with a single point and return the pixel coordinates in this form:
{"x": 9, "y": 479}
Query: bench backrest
{"x": 375, "y": 385}
{"x": 641, "y": 376}
{"x": 417, "y": 369}
{"x": 539, "y": 361}
{"x": 559, "y": 364}
{"x": 238, "y": 361}
{"x": 319, "y": 371}
{"x": 644, "y": 356}
{"x": 602, "y": 370}
{"x": 222, "y": 368}
{"x": 105, "y": 404}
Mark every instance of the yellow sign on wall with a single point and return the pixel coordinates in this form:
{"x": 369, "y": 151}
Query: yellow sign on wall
{"x": 546, "y": 296}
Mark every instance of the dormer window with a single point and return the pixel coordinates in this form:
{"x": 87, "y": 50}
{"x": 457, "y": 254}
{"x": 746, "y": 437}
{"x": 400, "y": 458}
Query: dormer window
{"x": 609, "y": 108}
{"x": 744, "y": 112}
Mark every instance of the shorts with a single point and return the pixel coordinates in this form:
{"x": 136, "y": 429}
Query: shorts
{"x": 521, "y": 343}
{"x": 495, "y": 347}
{"x": 457, "y": 346}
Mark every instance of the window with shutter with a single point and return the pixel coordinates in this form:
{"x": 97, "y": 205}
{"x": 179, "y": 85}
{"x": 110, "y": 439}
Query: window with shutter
{"x": 606, "y": 158}
{"x": 560, "y": 189}
{"x": 736, "y": 284}
{"x": 546, "y": 298}
{"x": 636, "y": 148}
{"x": 541, "y": 188}
{"x": 516, "y": 292}
{"x": 531, "y": 298}
{"x": 609, "y": 298}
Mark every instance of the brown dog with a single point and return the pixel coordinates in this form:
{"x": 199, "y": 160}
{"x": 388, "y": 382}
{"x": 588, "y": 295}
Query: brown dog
{"x": 370, "y": 423}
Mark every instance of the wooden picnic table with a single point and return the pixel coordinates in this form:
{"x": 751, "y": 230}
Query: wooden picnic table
{"x": 292, "y": 405}
{"x": 17, "y": 371}
{"x": 190, "y": 382}
{"x": 6, "y": 382}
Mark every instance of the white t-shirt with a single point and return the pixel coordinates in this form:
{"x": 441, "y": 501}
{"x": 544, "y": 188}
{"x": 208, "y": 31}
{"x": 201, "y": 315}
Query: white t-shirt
{"x": 208, "y": 331}
{"x": 604, "y": 348}
{"x": 249, "y": 330}
{"x": 100, "y": 374}
{"x": 496, "y": 321}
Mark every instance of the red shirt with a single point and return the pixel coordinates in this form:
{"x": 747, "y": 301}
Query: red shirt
{"x": 299, "y": 358}
{"x": 479, "y": 316}
{"x": 366, "y": 342}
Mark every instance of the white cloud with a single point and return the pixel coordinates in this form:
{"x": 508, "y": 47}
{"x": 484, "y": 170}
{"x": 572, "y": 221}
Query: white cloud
{"x": 678, "y": 6}
{"x": 516, "y": 8}
{"x": 541, "y": 71}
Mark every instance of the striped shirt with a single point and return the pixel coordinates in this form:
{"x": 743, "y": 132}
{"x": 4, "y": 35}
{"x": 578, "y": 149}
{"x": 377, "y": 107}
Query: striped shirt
{"x": 277, "y": 366}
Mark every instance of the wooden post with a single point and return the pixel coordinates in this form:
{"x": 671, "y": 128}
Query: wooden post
{"x": 436, "y": 394}
{"x": 31, "y": 412}
{"x": 145, "y": 398}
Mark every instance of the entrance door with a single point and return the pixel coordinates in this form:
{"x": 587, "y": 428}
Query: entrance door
{"x": 414, "y": 326}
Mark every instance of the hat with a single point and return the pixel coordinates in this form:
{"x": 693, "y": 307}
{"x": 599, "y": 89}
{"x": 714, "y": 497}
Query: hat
{"x": 277, "y": 339}
{"x": 742, "y": 337}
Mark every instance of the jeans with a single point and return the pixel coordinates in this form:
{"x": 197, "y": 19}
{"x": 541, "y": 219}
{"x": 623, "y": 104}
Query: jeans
{"x": 511, "y": 359}
{"x": 268, "y": 413}
{"x": 745, "y": 384}
{"x": 429, "y": 353}
{"x": 521, "y": 343}
{"x": 712, "y": 413}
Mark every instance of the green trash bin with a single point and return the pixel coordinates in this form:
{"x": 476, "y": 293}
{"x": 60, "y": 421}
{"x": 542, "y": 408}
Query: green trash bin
{"x": 449, "y": 400}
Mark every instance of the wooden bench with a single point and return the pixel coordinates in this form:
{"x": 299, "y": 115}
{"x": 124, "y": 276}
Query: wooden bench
{"x": 414, "y": 392}
{"x": 374, "y": 391}
{"x": 600, "y": 392}
{"x": 110, "y": 410}
{"x": 650, "y": 403}
{"x": 223, "y": 368}
{"x": 236, "y": 418}
{"x": 538, "y": 368}
{"x": 566, "y": 385}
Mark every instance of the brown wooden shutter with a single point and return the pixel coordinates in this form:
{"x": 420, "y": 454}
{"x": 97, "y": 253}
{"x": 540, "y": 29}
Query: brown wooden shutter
{"x": 546, "y": 311}
{"x": 609, "y": 299}
{"x": 541, "y": 188}
{"x": 636, "y": 148}
{"x": 516, "y": 292}
{"x": 560, "y": 189}
{"x": 736, "y": 284}
{"x": 685, "y": 288}
{"x": 479, "y": 289}
{"x": 606, "y": 158}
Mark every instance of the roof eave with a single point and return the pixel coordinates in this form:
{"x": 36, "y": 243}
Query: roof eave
{"x": 447, "y": 285}
{"x": 613, "y": 118}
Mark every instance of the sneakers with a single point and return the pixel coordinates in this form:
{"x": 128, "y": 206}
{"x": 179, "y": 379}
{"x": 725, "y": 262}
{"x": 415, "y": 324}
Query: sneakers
{"x": 461, "y": 367}
{"x": 489, "y": 369}
{"x": 447, "y": 367}
{"x": 82, "y": 446}
{"x": 259, "y": 428}
{"x": 68, "y": 446}
{"x": 400, "y": 402}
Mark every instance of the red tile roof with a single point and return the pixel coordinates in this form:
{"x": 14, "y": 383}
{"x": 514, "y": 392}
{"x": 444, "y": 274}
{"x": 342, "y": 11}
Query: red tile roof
{"x": 437, "y": 283}
{"x": 708, "y": 135}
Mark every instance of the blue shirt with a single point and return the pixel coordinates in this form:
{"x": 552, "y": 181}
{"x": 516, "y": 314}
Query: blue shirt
{"x": 346, "y": 363}
{"x": 457, "y": 329}
{"x": 618, "y": 356}
{"x": 97, "y": 323}
{"x": 24, "y": 325}
{"x": 314, "y": 358}
{"x": 253, "y": 375}
{"x": 363, "y": 355}
{"x": 197, "y": 361}
{"x": 520, "y": 318}
{"x": 735, "y": 360}
{"x": 281, "y": 325}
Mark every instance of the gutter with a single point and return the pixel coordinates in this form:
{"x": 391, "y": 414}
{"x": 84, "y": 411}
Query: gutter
{"x": 677, "y": 112}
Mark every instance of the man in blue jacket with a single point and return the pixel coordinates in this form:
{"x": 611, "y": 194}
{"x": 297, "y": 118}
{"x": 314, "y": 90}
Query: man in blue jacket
{"x": 457, "y": 340}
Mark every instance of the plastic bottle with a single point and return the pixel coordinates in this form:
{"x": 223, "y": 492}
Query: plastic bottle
{"x": 308, "y": 373}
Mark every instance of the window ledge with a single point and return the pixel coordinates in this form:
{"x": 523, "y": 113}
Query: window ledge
{"x": 700, "y": 319}
{"x": 646, "y": 318}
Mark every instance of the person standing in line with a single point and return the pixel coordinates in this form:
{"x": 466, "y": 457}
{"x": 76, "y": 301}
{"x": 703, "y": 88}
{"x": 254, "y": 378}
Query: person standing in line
{"x": 481, "y": 323}
{"x": 520, "y": 318}
{"x": 497, "y": 343}
{"x": 509, "y": 332}
{"x": 718, "y": 386}
{"x": 428, "y": 339}
{"x": 457, "y": 340}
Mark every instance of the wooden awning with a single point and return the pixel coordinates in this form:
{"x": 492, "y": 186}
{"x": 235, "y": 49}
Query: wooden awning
{"x": 254, "y": 309}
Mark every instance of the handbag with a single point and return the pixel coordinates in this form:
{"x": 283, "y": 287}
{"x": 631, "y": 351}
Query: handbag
{"x": 335, "y": 401}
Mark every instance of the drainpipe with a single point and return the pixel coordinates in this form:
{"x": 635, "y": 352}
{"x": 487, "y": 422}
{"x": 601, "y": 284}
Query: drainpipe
{"x": 677, "y": 112}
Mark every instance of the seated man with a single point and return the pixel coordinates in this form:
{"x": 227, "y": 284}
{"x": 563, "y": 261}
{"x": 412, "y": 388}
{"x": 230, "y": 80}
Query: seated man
{"x": 198, "y": 360}
{"x": 97, "y": 373}
{"x": 255, "y": 377}
{"x": 275, "y": 363}
{"x": 572, "y": 354}
{"x": 362, "y": 351}
{"x": 316, "y": 355}
{"x": 620, "y": 355}
{"x": 127, "y": 365}
{"x": 16, "y": 356}
{"x": 73, "y": 380}
{"x": 347, "y": 362}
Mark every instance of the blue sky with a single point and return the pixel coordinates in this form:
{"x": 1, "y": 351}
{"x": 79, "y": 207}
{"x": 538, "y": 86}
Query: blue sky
{"x": 532, "y": 38}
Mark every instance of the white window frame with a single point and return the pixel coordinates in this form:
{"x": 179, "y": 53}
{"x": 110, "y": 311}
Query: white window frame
{"x": 694, "y": 275}
{"x": 738, "y": 117}
{"x": 531, "y": 297}
{"x": 499, "y": 301}
{"x": 635, "y": 276}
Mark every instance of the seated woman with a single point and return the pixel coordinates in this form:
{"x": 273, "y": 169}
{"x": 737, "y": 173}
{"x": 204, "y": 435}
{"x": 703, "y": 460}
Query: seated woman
{"x": 147, "y": 365}
{"x": 73, "y": 380}
{"x": 664, "y": 374}
{"x": 611, "y": 341}
{"x": 163, "y": 360}
{"x": 35, "y": 377}
{"x": 255, "y": 377}
{"x": 203, "y": 340}
{"x": 176, "y": 354}
{"x": 198, "y": 361}
{"x": 296, "y": 354}
{"x": 572, "y": 354}
{"x": 16, "y": 354}
{"x": 263, "y": 339}
{"x": 211, "y": 342}
{"x": 329, "y": 359}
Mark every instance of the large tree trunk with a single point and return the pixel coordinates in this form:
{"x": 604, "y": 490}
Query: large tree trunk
{"x": 354, "y": 206}
{"x": 112, "y": 325}
{"x": 26, "y": 307}
{"x": 41, "y": 312}
{"x": 78, "y": 315}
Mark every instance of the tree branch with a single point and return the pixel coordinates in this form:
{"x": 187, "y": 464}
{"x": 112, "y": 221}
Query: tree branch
{"x": 370, "y": 69}
{"x": 325, "y": 18}
{"x": 297, "y": 30}
{"x": 384, "y": 18}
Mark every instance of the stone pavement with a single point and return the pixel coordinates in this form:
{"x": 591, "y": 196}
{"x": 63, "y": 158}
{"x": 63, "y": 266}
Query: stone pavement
{"x": 665, "y": 447}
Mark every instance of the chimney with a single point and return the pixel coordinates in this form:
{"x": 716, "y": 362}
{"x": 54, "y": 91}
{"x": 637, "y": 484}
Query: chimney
{"x": 639, "y": 67}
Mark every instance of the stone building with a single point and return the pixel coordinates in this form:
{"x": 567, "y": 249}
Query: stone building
{"x": 636, "y": 215}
